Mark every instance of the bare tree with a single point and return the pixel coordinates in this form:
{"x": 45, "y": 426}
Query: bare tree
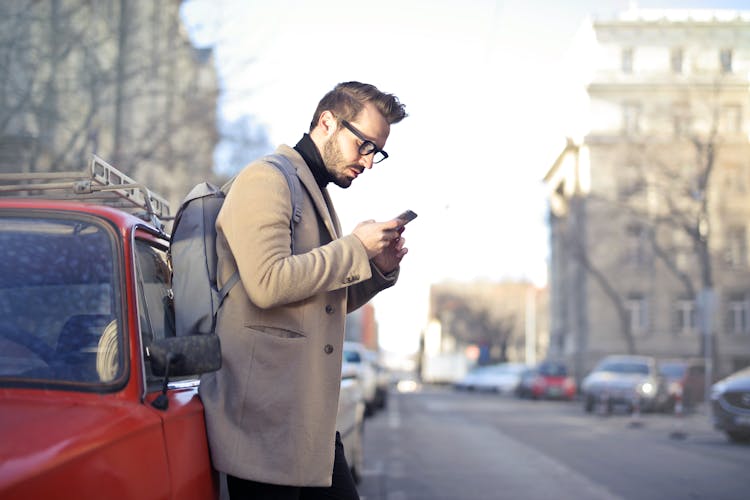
{"x": 118, "y": 78}
{"x": 478, "y": 322}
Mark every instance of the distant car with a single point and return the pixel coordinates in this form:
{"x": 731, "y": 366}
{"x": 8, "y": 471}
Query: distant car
{"x": 625, "y": 380}
{"x": 730, "y": 405}
{"x": 686, "y": 380}
{"x": 549, "y": 380}
{"x": 503, "y": 378}
{"x": 357, "y": 355}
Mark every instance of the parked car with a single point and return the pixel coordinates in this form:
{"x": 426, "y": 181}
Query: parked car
{"x": 383, "y": 380}
{"x": 350, "y": 420}
{"x": 730, "y": 405}
{"x": 86, "y": 406}
{"x": 358, "y": 356}
{"x": 502, "y": 377}
{"x": 686, "y": 381}
{"x": 547, "y": 380}
{"x": 625, "y": 380}
{"x": 98, "y": 397}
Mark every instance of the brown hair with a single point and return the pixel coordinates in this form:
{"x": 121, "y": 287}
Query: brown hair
{"x": 347, "y": 99}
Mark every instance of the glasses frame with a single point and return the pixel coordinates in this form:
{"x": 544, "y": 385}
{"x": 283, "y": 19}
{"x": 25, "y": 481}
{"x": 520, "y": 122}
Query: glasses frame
{"x": 367, "y": 147}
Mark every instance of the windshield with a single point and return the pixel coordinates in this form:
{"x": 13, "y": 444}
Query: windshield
{"x": 624, "y": 367}
{"x": 59, "y": 312}
{"x": 552, "y": 370}
{"x": 673, "y": 370}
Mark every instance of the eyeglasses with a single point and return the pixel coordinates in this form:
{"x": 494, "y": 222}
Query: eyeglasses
{"x": 367, "y": 147}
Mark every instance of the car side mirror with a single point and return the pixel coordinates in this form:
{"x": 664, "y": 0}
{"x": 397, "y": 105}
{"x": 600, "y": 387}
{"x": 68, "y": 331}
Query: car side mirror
{"x": 180, "y": 356}
{"x": 185, "y": 355}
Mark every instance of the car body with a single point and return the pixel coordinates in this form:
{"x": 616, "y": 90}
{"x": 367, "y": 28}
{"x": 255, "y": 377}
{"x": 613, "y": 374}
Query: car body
{"x": 547, "y": 380}
{"x": 360, "y": 358}
{"x": 625, "y": 380}
{"x": 730, "y": 405}
{"x": 98, "y": 397}
{"x": 503, "y": 378}
{"x": 383, "y": 380}
{"x": 686, "y": 380}
{"x": 350, "y": 420}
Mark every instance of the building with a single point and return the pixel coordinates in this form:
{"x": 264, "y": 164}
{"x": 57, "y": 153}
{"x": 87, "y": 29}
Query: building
{"x": 649, "y": 208}
{"x": 362, "y": 327}
{"x": 115, "y": 78}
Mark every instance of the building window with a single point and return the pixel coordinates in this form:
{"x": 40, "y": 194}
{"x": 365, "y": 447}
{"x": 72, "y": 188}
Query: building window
{"x": 681, "y": 119}
{"x": 682, "y": 249}
{"x": 637, "y": 310}
{"x": 636, "y": 246}
{"x": 730, "y": 119}
{"x": 738, "y": 314}
{"x": 676, "y": 60}
{"x": 736, "y": 249}
{"x": 685, "y": 316}
{"x": 725, "y": 59}
{"x": 627, "y": 60}
{"x": 735, "y": 179}
{"x": 631, "y": 116}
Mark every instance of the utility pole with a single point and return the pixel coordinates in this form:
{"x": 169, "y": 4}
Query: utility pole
{"x": 530, "y": 335}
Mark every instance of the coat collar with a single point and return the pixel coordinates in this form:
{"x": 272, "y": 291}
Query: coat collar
{"x": 320, "y": 197}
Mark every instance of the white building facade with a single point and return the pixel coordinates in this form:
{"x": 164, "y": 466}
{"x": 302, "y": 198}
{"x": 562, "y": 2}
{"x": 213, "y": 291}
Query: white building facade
{"x": 650, "y": 207}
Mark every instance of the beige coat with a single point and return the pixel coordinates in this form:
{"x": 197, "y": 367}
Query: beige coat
{"x": 271, "y": 409}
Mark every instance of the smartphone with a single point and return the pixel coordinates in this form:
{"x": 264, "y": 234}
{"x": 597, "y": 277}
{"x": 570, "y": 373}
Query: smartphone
{"x": 407, "y": 216}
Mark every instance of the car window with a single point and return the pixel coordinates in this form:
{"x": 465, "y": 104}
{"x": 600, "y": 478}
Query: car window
{"x": 155, "y": 318}
{"x": 352, "y": 357}
{"x": 60, "y": 318}
{"x": 553, "y": 370}
{"x": 624, "y": 367}
{"x": 673, "y": 370}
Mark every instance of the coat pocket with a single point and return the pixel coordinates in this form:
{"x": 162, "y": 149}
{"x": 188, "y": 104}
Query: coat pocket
{"x": 273, "y": 386}
{"x": 274, "y": 331}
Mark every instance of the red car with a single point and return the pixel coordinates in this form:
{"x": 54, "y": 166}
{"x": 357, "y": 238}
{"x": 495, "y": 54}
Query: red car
{"x": 86, "y": 408}
{"x": 547, "y": 380}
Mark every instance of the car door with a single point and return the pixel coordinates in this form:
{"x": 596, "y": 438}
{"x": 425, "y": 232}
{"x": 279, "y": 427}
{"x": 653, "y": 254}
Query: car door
{"x": 185, "y": 443}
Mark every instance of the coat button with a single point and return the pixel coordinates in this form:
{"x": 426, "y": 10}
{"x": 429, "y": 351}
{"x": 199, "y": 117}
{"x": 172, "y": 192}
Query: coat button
{"x": 329, "y": 309}
{"x": 328, "y": 348}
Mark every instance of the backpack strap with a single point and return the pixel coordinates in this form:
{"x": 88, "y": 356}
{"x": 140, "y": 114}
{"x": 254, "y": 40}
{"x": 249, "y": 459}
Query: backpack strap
{"x": 284, "y": 165}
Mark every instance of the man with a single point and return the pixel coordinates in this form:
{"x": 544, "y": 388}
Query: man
{"x": 271, "y": 409}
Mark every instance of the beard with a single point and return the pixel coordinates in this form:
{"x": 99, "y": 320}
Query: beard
{"x": 335, "y": 164}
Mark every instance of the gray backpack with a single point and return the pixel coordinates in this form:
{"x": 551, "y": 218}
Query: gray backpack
{"x": 196, "y": 296}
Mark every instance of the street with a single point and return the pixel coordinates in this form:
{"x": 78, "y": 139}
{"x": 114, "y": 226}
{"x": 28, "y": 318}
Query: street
{"x": 437, "y": 443}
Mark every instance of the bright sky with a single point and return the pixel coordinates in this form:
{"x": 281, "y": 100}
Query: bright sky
{"x": 486, "y": 85}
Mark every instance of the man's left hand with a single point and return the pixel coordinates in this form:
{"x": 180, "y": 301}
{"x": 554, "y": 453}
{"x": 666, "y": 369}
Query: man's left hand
{"x": 389, "y": 259}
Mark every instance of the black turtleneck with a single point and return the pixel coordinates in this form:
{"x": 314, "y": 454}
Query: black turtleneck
{"x": 309, "y": 152}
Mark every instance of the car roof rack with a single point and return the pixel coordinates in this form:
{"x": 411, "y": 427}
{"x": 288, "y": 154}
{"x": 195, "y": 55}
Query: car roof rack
{"x": 99, "y": 183}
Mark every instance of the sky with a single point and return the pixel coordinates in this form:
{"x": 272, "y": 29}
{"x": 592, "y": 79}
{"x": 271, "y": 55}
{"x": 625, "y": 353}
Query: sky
{"x": 490, "y": 90}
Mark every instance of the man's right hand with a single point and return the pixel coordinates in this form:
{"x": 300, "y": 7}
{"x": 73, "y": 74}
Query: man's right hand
{"x": 377, "y": 236}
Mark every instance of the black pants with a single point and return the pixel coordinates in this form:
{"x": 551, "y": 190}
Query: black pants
{"x": 342, "y": 487}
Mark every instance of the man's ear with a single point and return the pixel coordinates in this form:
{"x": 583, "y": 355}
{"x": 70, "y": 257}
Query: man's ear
{"x": 327, "y": 123}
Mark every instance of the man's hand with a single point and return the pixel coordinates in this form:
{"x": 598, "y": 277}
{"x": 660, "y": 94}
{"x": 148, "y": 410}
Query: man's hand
{"x": 389, "y": 259}
{"x": 383, "y": 242}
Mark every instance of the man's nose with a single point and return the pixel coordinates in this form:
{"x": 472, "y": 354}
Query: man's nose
{"x": 366, "y": 161}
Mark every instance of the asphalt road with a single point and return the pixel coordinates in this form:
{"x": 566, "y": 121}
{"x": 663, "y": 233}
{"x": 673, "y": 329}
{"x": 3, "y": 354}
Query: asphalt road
{"x": 437, "y": 444}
